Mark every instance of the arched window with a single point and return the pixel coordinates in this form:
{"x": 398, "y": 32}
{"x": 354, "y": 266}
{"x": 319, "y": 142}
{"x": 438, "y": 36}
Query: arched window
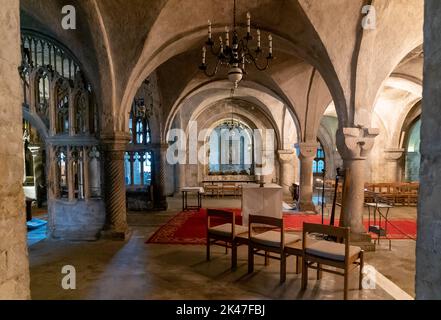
{"x": 139, "y": 127}
{"x": 319, "y": 163}
{"x": 231, "y": 150}
{"x": 138, "y": 158}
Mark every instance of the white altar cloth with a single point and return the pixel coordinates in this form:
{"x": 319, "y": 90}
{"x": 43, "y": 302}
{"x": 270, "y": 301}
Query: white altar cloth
{"x": 266, "y": 201}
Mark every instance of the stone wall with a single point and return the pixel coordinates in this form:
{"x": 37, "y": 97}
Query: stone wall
{"x": 76, "y": 220}
{"x": 14, "y": 265}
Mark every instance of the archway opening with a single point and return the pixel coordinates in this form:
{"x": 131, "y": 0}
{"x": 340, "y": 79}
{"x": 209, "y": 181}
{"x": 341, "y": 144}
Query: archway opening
{"x": 413, "y": 155}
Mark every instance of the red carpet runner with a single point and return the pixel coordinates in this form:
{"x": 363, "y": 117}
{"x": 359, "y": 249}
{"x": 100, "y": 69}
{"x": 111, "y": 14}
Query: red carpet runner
{"x": 189, "y": 227}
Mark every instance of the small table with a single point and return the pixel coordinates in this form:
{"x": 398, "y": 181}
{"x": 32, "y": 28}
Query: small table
{"x": 199, "y": 190}
{"x": 377, "y": 229}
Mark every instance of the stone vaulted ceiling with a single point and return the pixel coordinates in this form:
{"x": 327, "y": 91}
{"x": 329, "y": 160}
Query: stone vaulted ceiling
{"x": 323, "y": 53}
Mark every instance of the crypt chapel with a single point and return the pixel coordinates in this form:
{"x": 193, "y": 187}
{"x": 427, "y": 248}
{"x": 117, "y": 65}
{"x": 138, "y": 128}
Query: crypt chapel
{"x": 126, "y": 126}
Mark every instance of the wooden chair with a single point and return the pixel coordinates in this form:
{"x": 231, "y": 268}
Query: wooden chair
{"x": 338, "y": 255}
{"x": 295, "y": 249}
{"x": 269, "y": 242}
{"x": 226, "y": 234}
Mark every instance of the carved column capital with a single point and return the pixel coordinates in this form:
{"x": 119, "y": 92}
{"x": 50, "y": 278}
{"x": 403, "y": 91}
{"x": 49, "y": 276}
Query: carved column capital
{"x": 308, "y": 150}
{"x": 115, "y": 141}
{"x": 285, "y": 156}
{"x": 394, "y": 154}
{"x": 35, "y": 150}
{"x": 356, "y": 143}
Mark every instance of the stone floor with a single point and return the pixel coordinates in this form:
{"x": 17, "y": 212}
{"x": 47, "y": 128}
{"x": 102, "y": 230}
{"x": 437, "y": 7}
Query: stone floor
{"x": 134, "y": 270}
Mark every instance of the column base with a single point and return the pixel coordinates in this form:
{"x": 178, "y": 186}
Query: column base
{"x": 161, "y": 204}
{"x": 307, "y": 206}
{"x": 362, "y": 240}
{"x": 116, "y": 235}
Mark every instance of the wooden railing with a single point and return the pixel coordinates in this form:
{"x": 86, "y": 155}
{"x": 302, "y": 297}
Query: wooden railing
{"x": 397, "y": 193}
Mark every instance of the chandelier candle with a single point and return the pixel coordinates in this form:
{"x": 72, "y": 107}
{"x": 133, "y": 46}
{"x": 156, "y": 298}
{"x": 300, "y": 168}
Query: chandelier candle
{"x": 227, "y": 37}
{"x": 258, "y": 38}
{"x": 270, "y": 39}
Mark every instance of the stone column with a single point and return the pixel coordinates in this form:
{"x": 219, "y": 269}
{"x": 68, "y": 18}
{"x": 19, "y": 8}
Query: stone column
{"x": 160, "y": 199}
{"x": 287, "y": 171}
{"x": 37, "y": 160}
{"x": 308, "y": 151}
{"x": 394, "y": 158}
{"x": 86, "y": 173}
{"x": 70, "y": 174}
{"x": 114, "y": 147}
{"x": 354, "y": 145}
{"x": 428, "y": 253}
{"x": 182, "y": 177}
{"x": 14, "y": 265}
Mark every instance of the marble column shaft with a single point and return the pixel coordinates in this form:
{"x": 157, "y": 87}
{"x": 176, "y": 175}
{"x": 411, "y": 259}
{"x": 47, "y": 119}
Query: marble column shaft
{"x": 354, "y": 145}
{"x": 308, "y": 151}
{"x": 287, "y": 170}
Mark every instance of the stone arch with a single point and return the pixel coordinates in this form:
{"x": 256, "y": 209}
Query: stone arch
{"x": 199, "y": 100}
{"x": 193, "y": 32}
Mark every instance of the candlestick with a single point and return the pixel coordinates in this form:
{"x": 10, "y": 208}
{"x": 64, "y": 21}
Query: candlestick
{"x": 221, "y": 44}
{"x": 270, "y": 38}
{"x": 204, "y": 50}
{"x": 209, "y": 29}
{"x": 248, "y": 22}
{"x": 227, "y": 37}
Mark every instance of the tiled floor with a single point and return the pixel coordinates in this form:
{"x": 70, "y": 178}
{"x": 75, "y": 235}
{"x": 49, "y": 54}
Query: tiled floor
{"x": 134, "y": 270}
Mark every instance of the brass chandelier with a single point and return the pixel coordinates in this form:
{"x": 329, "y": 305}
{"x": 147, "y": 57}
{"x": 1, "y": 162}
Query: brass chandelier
{"x": 235, "y": 55}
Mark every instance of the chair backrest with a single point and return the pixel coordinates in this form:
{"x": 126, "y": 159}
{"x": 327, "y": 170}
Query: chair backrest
{"x": 269, "y": 221}
{"x": 227, "y": 216}
{"x": 342, "y": 234}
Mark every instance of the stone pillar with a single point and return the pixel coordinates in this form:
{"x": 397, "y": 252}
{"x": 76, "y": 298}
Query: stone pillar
{"x": 182, "y": 177}
{"x": 428, "y": 253}
{"x": 287, "y": 171}
{"x": 86, "y": 172}
{"x": 354, "y": 145}
{"x": 14, "y": 265}
{"x": 70, "y": 174}
{"x": 160, "y": 199}
{"x": 37, "y": 160}
{"x": 114, "y": 147}
{"x": 394, "y": 159}
{"x": 308, "y": 151}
